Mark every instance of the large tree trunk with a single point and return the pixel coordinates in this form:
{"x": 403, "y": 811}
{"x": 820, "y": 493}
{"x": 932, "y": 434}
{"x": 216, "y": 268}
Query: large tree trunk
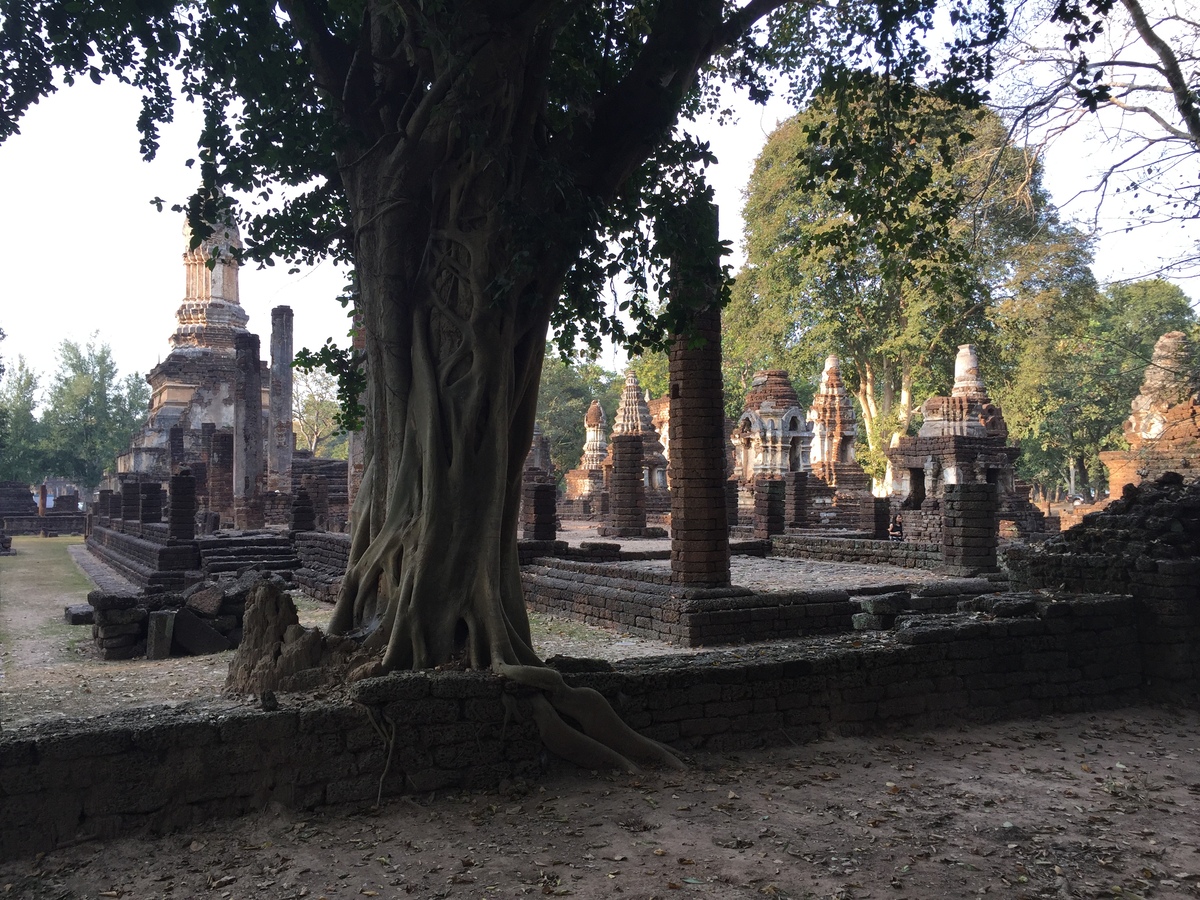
{"x": 455, "y": 337}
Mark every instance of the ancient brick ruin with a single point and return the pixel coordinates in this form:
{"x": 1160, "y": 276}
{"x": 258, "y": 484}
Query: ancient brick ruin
{"x": 1163, "y": 428}
{"x": 963, "y": 440}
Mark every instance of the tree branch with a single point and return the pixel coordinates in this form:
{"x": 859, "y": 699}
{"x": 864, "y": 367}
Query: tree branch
{"x": 1184, "y": 101}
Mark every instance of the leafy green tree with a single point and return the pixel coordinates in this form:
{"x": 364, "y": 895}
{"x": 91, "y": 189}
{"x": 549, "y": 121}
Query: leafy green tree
{"x": 1070, "y": 388}
{"x": 489, "y": 167}
{"x": 315, "y": 410}
{"x": 91, "y": 413}
{"x": 567, "y": 390}
{"x": 892, "y": 297}
{"x": 21, "y": 455}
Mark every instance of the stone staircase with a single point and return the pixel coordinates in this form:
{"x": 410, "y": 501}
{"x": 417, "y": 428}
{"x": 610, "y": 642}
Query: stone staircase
{"x": 226, "y": 553}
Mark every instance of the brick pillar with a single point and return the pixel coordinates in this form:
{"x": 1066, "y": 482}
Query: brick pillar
{"x": 104, "y": 504}
{"x": 131, "y": 501}
{"x": 42, "y": 500}
{"x": 970, "y": 527}
{"x": 627, "y": 493}
{"x": 279, "y": 437}
{"x": 220, "y": 475}
{"x": 795, "y": 499}
{"x": 768, "y": 507}
{"x": 175, "y": 449}
{"x": 539, "y": 509}
{"x": 150, "y": 507}
{"x": 732, "y": 513}
{"x": 699, "y": 520}
{"x": 304, "y": 517}
{"x": 181, "y": 517}
{"x": 318, "y": 493}
{"x": 247, "y": 433}
{"x": 114, "y": 505}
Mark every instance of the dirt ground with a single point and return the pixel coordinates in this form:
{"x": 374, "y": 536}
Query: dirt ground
{"x": 1077, "y": 806}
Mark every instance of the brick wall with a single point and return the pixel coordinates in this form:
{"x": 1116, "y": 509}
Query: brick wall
{"x": 893, "y": 553}
{"x": 323, "y": 559}
{"x": 165, "y": 769}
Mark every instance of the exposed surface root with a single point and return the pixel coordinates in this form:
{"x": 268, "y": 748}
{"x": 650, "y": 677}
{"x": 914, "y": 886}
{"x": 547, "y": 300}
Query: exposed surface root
{"x": 605, "y": 741}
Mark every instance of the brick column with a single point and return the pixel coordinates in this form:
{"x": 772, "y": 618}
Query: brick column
{"x": 627, "y": 493}
{"x": 181, "y": 516}
{"x": 279, "y": 437}
{"x": 795, "y": 499}
{"x": 970, "y": 528}
{"x": 104, "y": 505}
{"x": 732, "y": 513}
{"x": 247, "y": 433}
{"x": 768, "y": 507}
{"x": 131, "y": 501}
{"x": 699, "y": 521}
{"x": 304, "y": 517}
{"x": 151, "y": 502}
{"x": 539, "y": 509}
{"x": 220, "y": 475}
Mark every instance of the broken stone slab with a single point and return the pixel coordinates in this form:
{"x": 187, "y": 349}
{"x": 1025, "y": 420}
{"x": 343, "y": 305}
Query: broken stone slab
{"x": 194, "y": 636}
{"x": 79, "y": 614}
{"x": 868, "y": 622}
{"x": 886, "y": 604}
{"x": 160, "y": 635}
{"x": 206, "y": 602}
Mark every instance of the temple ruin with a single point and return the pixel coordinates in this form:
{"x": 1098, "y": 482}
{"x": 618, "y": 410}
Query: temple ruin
{"x": 1163, "y": 428}
{"x": 962, "y": 440}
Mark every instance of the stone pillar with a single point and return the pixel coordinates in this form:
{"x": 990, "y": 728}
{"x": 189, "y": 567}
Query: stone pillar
{"x": 175, "y": 448}
{"x": 181, "y": 517}
{"x": 699, "y": 516}
{"x": 627, "y": 493}
{"x": 115, "y": 505}
{"x": 150, "y": 506}
{"x": 795, "y": 499}
{"x": 539, "y": 509}
{"x": 42, "y": 500}
{"x": 247, "y": 433}
{"x": 220, "y": 475}
{"x": 280, "y": 441}
{"x": 768, "y": 507}
{"x": 970, "y": 528}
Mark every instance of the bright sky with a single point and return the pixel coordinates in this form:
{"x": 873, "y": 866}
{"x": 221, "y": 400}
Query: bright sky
{"x": 82, "y": 251}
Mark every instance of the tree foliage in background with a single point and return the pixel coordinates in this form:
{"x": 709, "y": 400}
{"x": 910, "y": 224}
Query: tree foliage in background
{"x": 315, "y": 409}
{"x": 22, "y": 456}
{"x": 891, "y": 296}
{"x": 568, "y": 389}
{"x": 1070, "y": 388}
{"x": 91, "y": 413}
{"x": 489, "y": 168}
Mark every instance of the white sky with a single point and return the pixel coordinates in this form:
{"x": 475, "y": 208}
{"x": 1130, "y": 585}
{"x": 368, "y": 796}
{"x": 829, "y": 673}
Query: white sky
{"x": 82, "y": 251}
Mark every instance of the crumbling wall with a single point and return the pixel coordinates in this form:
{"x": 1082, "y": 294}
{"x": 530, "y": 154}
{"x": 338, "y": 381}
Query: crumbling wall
{"x": 166, "y": 769}
{"x": 910, "y": 555}
{"x": 324, "y": 557}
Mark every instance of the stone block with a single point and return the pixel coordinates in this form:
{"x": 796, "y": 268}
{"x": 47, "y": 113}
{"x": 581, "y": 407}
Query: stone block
{"x": 194, "y": 636}
{"x": 160, "y": 634}
{"x": 79, "y": 614}
{"x": 206, "y": 602}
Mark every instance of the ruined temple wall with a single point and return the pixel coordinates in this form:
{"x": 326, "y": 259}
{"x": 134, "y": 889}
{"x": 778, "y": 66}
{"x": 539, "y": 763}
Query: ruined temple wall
{"x": 129, "y": 773}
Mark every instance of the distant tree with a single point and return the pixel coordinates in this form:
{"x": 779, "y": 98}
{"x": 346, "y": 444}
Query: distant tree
{"x": 1071, "y": 387}
{"x": 567, "y": 390}
{"x": 91, "y": 413}
{"x": 315, "y": 410}
{"x": 890, "y": 296}
{"x": 21, "y": 454}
